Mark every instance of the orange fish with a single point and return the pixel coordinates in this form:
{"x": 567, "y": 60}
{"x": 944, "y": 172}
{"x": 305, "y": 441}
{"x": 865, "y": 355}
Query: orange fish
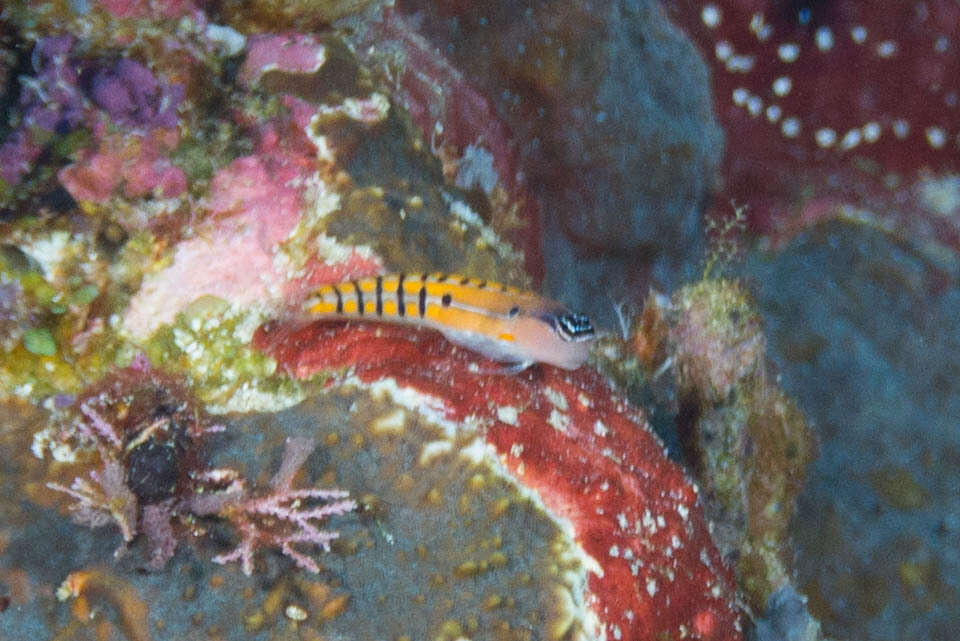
{"x": 501, "y": 322}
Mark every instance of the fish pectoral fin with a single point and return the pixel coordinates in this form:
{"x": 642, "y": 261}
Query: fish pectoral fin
{"x": 508, "y": 369}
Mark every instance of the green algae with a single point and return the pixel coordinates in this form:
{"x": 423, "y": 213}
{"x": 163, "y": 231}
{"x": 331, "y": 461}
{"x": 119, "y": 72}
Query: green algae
{"x": 39, "y": 341}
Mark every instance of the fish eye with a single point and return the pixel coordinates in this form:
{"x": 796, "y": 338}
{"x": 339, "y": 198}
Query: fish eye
{"x": 574, "y": 326}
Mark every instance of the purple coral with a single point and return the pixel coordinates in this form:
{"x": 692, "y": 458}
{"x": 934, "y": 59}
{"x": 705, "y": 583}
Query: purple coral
{"x": 130, "y": 94}
{"x": 50, "y": 102}
{"x": 67, "y": 91}
{"x": 285, "y": 517}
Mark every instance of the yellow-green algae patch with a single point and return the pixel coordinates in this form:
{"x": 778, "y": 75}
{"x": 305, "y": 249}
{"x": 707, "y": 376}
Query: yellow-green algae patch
{"x": 752, "y": 442}
{"x": 56, "y": 311}
{"x": 209, "y": 343}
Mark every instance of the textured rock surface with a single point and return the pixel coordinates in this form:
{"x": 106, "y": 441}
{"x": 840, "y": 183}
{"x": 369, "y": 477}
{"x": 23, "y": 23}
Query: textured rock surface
{"x": 541, "y": 522}
{"x": 615, "y": 145}
{"x": 865, "y": 336}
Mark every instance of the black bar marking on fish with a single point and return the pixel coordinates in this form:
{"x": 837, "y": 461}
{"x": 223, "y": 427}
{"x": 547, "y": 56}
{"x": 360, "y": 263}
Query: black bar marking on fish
{"x": 336, "y": 290}
{"x": 356, "y": 288}
{"x": 401, "y": 307}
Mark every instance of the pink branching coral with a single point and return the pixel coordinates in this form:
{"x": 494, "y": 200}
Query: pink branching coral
{"x": 105, "y": 495}
{"x": 103, "y": 498}
{"x": 284, "y": 517}
{"x": 149, "y": 477}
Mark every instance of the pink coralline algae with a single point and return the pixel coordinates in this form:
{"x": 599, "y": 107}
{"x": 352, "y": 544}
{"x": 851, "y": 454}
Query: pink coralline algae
{"x": 255, "y": 204}
{"x": 147, "y": 8}
{"x": 252, "y": 208}
{"x": 585, "y": 453}
{"x": 294, "y": 53}
{"x": 135, "y": 126}
{"x": 131, "y": 113}
{"x": 132, "y": 164}
{"x": 835, "y": 108}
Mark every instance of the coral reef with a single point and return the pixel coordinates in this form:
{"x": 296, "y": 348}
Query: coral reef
{"x": 178, "y": 173}
{"x": 173, "y": 174}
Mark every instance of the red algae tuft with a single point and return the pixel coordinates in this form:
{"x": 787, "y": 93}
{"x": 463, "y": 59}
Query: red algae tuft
{"x": 583, "y": 452}
{"x": 281, "y": 517}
